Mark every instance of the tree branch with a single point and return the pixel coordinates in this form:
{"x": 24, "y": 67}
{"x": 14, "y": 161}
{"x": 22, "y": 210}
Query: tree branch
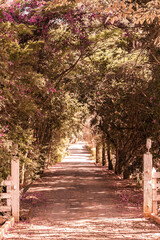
{"x": 154, "y": 57}
{"x": 68, "y": 70}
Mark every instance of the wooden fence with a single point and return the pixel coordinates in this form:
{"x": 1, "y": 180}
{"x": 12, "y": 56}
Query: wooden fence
{"x": 151, "y": 186}
{"x": 7, "y": 184}
{"x": 10, "y": 198}
{"x": 155, "y": 190}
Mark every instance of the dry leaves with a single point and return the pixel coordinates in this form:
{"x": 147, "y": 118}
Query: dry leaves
{"x": 132, "y": 11}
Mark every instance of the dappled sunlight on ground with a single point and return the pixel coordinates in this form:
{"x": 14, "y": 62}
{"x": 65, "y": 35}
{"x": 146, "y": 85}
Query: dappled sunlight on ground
{"x": 78, "y": 200}
{"x": 96, "y": 228}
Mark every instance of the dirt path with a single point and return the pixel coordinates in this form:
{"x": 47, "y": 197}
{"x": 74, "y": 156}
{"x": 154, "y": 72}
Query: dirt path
{"x": 78, "y": 200}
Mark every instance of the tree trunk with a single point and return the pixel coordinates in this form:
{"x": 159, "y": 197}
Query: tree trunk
{"x": 97, "y": 152}
{"x": 110, "y": 165}
{"x": 22, "y": 174}
{"x": 126, "y": 173}
{"x": 23, "y": 169}
{"x": 128, "y": 170}
{"x": 119, "y": 160}
{"x": 103, "y": 152}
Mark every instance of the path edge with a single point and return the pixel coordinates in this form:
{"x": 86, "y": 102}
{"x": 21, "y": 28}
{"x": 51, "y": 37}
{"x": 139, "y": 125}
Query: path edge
{"x": 6, "y": 226}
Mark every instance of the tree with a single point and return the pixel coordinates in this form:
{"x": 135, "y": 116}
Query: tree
{"x": 60, "y": 60}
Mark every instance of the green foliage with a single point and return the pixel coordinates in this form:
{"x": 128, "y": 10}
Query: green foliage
{"x": 40, "y": 118}
{"x": 5, "y": 161}
{"x": 60, "y": 63}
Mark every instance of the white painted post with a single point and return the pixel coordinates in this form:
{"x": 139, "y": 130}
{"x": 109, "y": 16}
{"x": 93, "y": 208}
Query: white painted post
{"x": 154, "y": 192}
{"x": 147, "y": 184}
{"x": 15, "y": 188}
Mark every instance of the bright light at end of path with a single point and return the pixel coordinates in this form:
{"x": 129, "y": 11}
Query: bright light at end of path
{"x": 78, "y": 153}
{"x": 78, "y": 145}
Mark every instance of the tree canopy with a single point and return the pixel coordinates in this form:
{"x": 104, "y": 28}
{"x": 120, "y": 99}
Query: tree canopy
{"x": 63, "y": 61}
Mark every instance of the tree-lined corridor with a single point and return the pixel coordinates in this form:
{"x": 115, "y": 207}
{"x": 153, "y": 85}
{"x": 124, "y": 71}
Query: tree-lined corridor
{"x": 86, "y": 70}
{"x": 63, "y": 62}
{"x": 78, "y": 200}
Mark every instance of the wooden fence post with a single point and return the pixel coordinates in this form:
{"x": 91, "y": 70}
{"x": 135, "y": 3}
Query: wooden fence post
{"x": 147, "y": 184}
{"x": 15, "y": 188}
{"x": 154, "y": 193}
{"x": 9, "y": 190}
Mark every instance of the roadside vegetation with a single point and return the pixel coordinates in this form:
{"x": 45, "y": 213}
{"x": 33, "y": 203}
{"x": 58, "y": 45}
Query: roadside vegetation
{"x": 64, "y": 62}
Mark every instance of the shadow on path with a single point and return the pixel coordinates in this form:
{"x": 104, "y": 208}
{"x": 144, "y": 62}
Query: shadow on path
{"x": 78, "y": 200}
